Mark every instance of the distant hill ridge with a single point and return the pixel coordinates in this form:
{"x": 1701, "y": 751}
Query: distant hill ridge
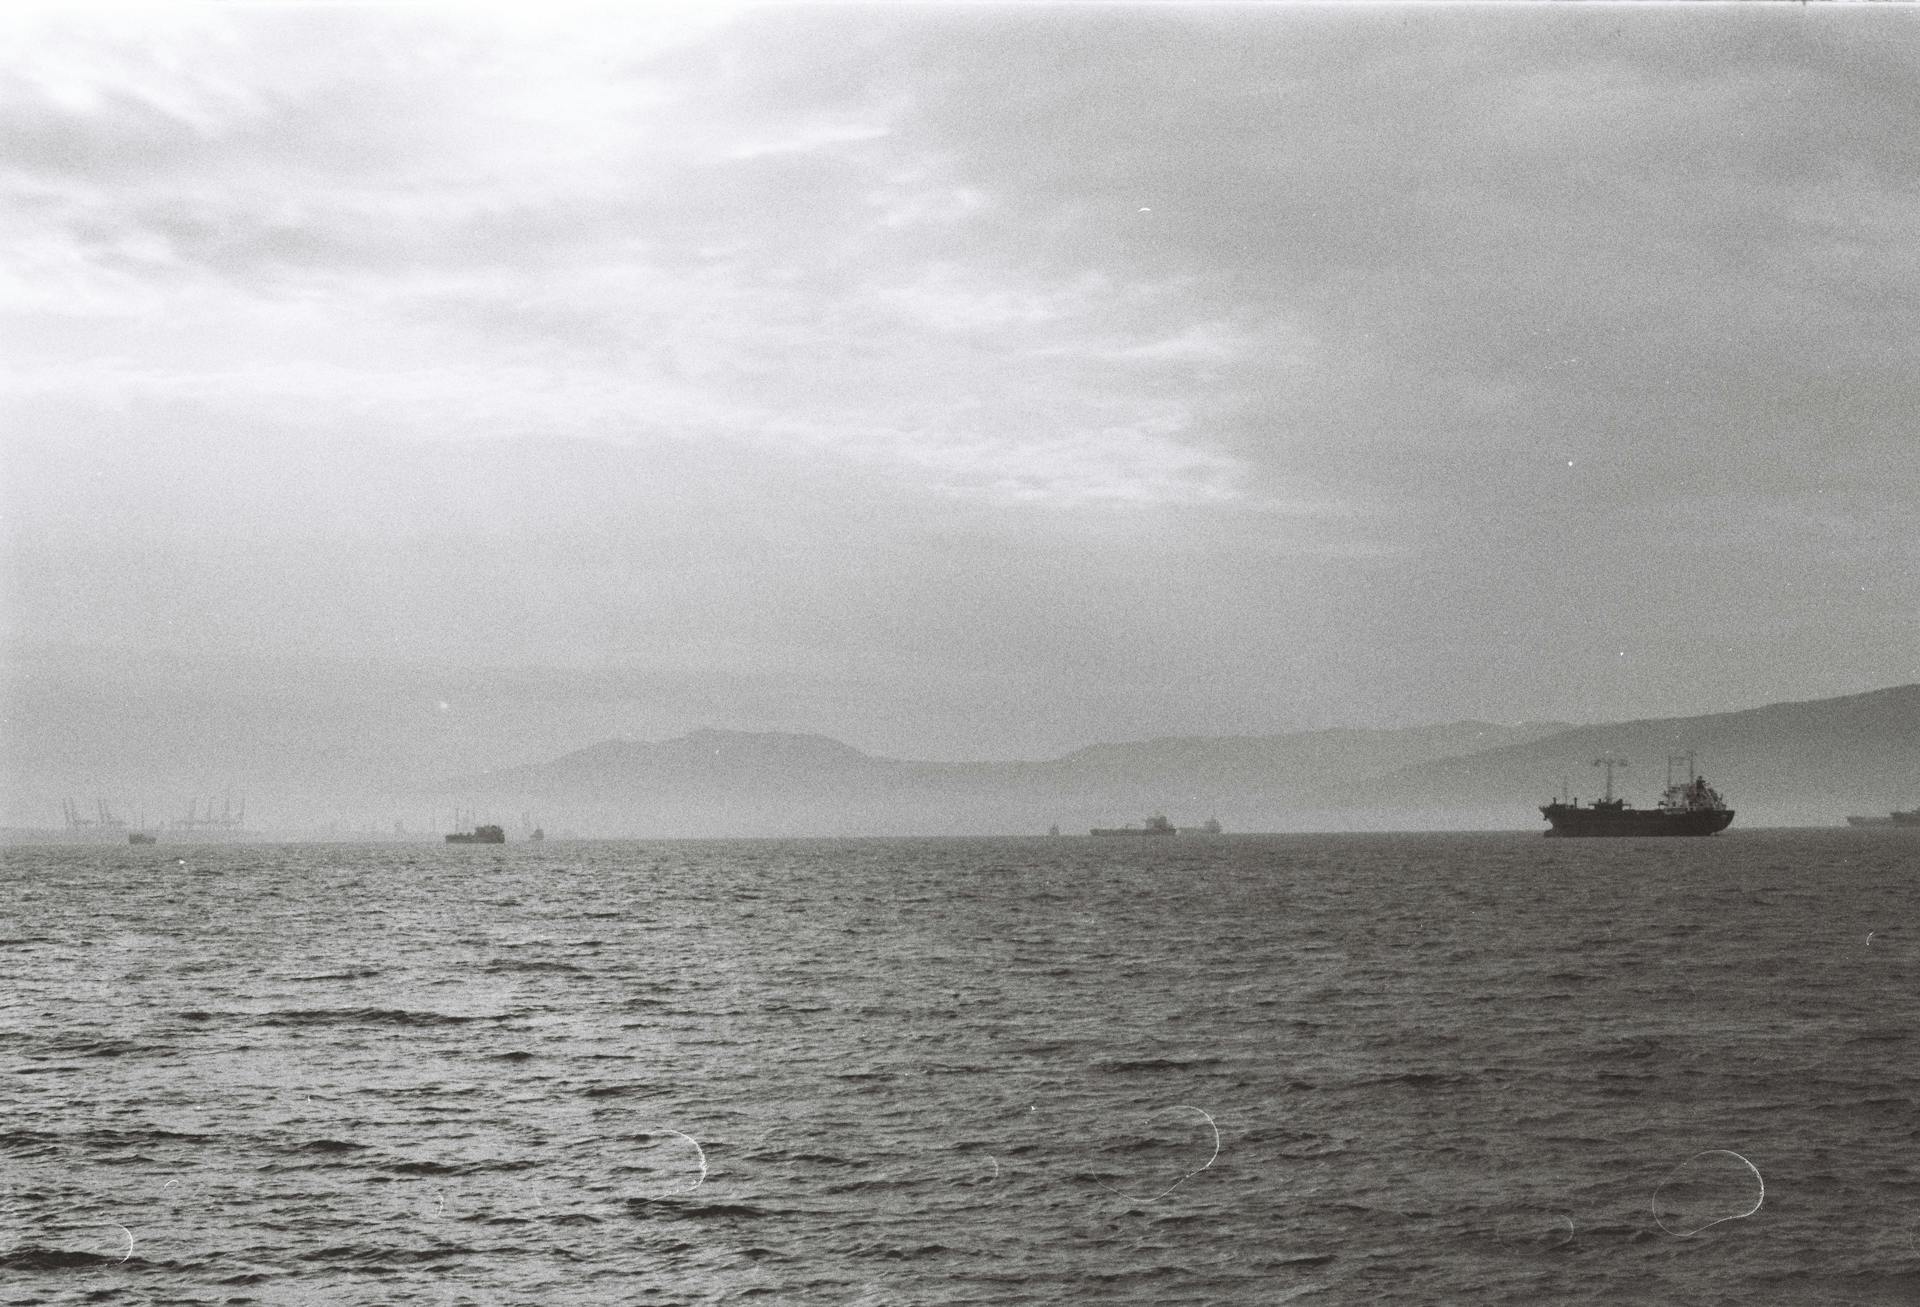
{"x": 1797, "y": 762}
{"x": 1807, "y": 762}
{"x": 1339, "y": 754}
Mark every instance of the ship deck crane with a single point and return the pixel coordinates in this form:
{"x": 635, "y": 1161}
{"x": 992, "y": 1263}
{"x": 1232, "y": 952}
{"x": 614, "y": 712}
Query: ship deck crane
{"x": 1611, "y": 762}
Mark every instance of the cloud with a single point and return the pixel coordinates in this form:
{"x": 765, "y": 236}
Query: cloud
{"x": 549, "y": 235}
{"x": 1282, "y": 306}
{"x": 808, "y": 138}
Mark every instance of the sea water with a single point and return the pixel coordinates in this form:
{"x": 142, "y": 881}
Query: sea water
{"x": 1326, "y": 1069}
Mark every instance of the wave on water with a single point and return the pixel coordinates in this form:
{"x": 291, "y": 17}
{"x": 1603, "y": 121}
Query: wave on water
{"x": 32, "y": 1258}
{"x": 1392, "y": 1070}
{"x": 369, "y": 1016}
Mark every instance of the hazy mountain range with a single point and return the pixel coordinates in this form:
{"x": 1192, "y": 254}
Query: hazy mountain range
{"x": 312, "y": 744}
{"x": 1795, "y": 763}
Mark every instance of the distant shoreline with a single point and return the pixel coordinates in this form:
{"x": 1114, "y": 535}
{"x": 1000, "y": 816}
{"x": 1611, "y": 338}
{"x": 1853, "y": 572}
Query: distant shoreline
{"x": 27, "y": 837}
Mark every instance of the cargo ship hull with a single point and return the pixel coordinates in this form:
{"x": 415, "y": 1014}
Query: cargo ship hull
{"x": 1571, "y": 820}
{"x": 1911, "y": 817}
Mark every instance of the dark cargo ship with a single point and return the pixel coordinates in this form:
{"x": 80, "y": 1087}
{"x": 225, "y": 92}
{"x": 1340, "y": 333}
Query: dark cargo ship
{"x": 1690, "y": 807}
{"x": 1911, "y": 817}
{"x": 1155, "y": 826}
{"x": 479, "y": 835}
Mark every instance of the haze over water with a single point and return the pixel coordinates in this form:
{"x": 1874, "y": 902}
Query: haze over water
{"x": 1403, "y": 1069}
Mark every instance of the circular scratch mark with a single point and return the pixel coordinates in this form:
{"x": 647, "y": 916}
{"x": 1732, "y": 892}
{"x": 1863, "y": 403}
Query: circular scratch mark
{"x": 1673, "y": 1180}
{"x": 1558, "y": 1238}
{"x": 696, "y": 1148}
{"x": 124, "y": 1230}
{"x": 1211, "y": 1125}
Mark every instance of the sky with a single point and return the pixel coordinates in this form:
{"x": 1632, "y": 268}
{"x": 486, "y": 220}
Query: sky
{"x": 957, "y": 381}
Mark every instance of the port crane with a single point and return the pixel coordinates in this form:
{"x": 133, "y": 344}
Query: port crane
{"x": 199, "y": 819}
{"x": 105, "y": 821}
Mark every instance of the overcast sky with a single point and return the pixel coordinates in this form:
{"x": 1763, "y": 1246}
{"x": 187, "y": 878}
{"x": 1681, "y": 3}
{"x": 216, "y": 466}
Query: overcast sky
{"x": 974, "y": 382}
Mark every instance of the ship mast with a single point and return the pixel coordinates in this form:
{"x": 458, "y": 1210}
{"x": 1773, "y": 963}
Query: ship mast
{"x": 1687, "y": 758}
{"x": 1610, "y": 762}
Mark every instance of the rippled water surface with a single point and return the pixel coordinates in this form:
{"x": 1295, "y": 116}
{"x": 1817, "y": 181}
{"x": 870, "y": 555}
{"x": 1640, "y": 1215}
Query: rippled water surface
{"x": 1354, "y": 1069}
